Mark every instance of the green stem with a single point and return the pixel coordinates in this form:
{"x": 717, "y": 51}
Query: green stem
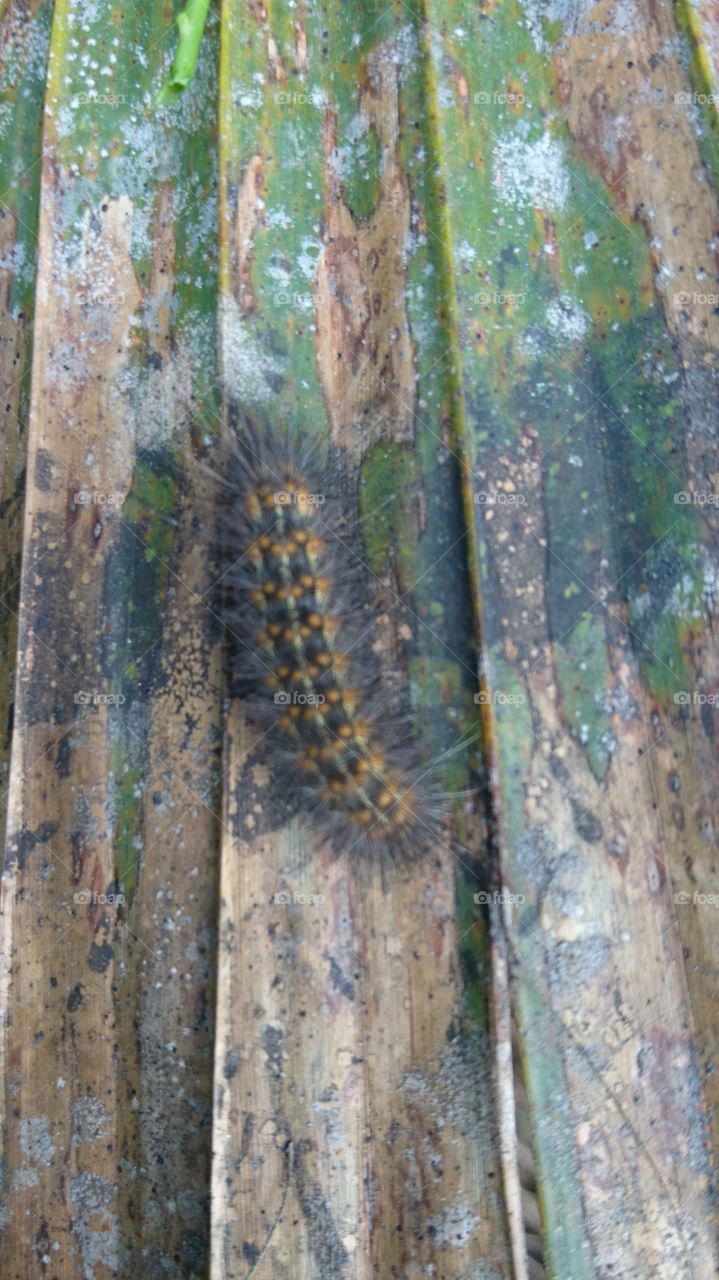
{"x": 191, "y": 25}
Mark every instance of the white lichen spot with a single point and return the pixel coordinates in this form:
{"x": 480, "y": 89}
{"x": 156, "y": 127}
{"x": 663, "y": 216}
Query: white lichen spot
{"x": 454, "y": 1226}
{"x": 531, "y": 175}
{"x": 248, "y": 370}
{"x": 250, "y": 98}
{"x": 710, "y": 585}
{"x": 95, "y": 1227}
{"x": 89, "y": 1119}
{"x": 566, "y": 319}
{"x": 278, "y": 217}
{"x": 684, "y": 600}
{"x": 308, "y": 257}
{"x": 36, "y": 1139}
{"x": 402, "y": 49}
{"x": 530, "y": 343}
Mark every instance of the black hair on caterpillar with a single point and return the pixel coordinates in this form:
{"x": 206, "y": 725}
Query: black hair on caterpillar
{"x": 302, "y": 654}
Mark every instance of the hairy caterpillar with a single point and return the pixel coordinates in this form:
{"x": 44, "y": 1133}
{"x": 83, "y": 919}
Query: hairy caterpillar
{"x": 303, "y": 653}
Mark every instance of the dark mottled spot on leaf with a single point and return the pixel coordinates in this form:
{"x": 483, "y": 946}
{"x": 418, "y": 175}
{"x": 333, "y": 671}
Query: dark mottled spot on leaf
{"x": 339, "y": 981}
{"x": 74, "y": 1000}
{"x": 329, "y": 1254}
{"x": 64, "y": 753}
{"x": 247, "y": 1131}
{"x": 558, "y": 767}
{"x": 454, "y": 1029}
{"x": 706, "y": 715}
{"x": 273, "y": 1039}
{"x": 23, "y": 842}
{"x": 587, "y": 823}
{"x": 100, "y": 958}
{"x": 194, "y": 1250}
{"x": 43, "y": 471}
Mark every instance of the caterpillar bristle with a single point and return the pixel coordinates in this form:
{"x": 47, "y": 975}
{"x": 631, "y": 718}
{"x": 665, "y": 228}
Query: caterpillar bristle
{"x": 303, "y": 658}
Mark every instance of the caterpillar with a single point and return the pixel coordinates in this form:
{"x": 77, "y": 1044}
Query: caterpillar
{"x": 302, "y": 652}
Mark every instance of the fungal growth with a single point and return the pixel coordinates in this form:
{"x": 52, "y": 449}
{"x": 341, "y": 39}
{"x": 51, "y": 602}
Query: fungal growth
{"x": 301, "y": 639}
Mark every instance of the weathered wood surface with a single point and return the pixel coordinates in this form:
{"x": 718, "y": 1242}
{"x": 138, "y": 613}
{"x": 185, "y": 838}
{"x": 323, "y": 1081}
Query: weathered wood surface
{"x": 477, "y": 248}
{"x": 108, "y": 1000}
{"x": 582, "y": 223}
{"x": 356, "y": 1128}
{"x": 24, "y": 41}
